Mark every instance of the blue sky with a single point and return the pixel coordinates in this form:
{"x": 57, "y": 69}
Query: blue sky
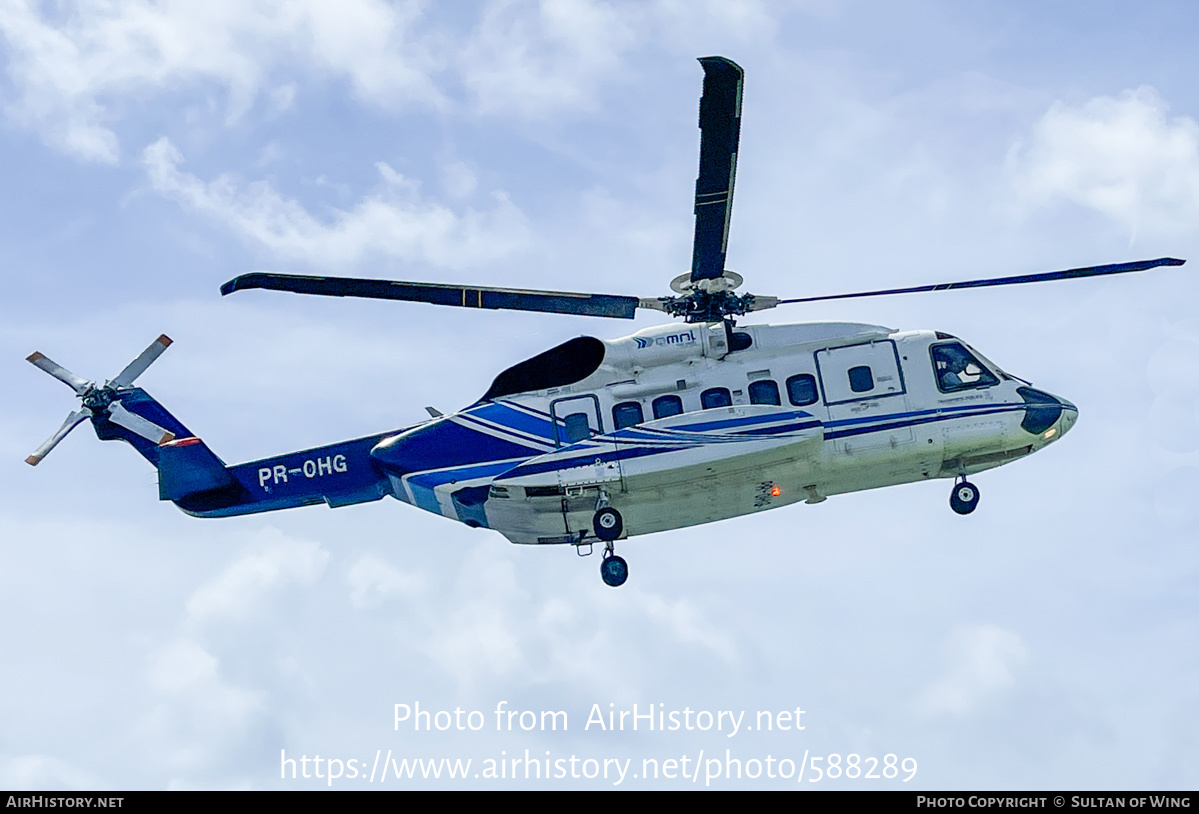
{"x": 152, "y": 151}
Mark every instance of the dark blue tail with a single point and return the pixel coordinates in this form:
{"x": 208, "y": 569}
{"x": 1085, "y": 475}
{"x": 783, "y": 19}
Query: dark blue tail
{"x": 198, "y": 482}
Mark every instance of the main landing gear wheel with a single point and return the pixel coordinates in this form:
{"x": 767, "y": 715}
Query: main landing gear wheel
{"x": 608, "y": 524}
{"x": 614, "y": 570}
{"x": 964, "y": 498}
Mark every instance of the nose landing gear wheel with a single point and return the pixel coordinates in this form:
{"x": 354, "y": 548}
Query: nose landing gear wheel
{"x": 614, "y": 570}
{"x": 608, "y": 524}
{"x": 964, "y": 498}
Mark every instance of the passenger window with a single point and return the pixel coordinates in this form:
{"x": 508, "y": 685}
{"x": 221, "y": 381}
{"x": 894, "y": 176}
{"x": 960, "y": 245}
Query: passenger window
{"x": 801, "y": 389}
{"x": 577, "y": 428}
{"x": 716, "y": 397}
{"x": 764, "y": 391}
{"x": 666, "y": 406}
{"x": 861, "y": 380}
{"x": 627, "y": 414}
{"x": 958, "y": 369}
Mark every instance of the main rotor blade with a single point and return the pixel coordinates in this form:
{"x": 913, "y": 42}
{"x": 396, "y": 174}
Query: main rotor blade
{"x": 1067, "y": 274}
{"x": 133, "y": 422}
{"x": 720, "y": 131}
{"x": 76, "y": 383}
{"x": 73, "y": 420}
{"x": 138, "y": 366}
{"x": 513, "y": 299}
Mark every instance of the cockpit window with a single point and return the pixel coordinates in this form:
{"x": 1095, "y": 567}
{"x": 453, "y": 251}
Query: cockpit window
{"x": 957, "y": 368}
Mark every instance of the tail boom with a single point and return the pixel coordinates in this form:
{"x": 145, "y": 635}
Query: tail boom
{"x": 197, "y": 481}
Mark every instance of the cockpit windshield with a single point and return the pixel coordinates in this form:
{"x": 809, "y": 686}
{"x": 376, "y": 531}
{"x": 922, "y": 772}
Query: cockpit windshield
{"x": 957, "y": 368}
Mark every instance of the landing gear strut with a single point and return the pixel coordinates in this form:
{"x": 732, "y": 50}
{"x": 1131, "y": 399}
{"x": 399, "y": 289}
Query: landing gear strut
{"x": 964, "y": 498}
{"x": 608, "y": 525}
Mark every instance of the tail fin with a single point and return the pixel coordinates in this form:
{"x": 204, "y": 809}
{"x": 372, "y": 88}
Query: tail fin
{"x": 139, "y": 404}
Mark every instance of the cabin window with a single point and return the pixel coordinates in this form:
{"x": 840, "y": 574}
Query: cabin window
{"x": 577, "y": 428}
{"x": 716, "y": 397}
{"x": 801, "y": 389}
{"x": 627, "y": 414}
{"x": 764, "y": 391}
{"x": 861, "y": 380}
{"x": 959, "y": 369}
{"x": 666, "y": 406}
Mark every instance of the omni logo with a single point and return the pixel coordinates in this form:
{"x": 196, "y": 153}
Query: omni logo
{"x": 684, "y": 338}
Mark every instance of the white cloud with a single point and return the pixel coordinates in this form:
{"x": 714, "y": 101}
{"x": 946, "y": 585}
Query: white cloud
{"x": 198, "y": 717}
{"x": 489, "y": 629}
{"x": 535, "y": 58}
{"x": 458, "y": 180}
{"x": 74, "y": 74}
{"x": 372, "y": 581}
{"x": 396, "y": 222}
{"x": 182, "y": 667}
{"x": 688, "y": 21}
{"x": 275, "y": 561}
{"x": 79, "y": 74}
{"x": 45, "y": 772}
{"x": 687, "y": 625}
{"x": 984, "y": 663}
{"x": 1122, "y": 156}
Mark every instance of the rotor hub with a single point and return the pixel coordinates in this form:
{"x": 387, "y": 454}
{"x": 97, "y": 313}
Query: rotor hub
{"x": 683, "y": 284}
{"x": 97, "y": 399}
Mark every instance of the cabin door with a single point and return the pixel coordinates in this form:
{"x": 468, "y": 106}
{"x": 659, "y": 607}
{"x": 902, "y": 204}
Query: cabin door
{"x": 866, "y": 397}
{"x": 575, "y": 419}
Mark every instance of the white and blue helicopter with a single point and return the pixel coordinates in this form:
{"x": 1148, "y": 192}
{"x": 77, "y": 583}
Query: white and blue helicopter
{"x": 599, "y": 440}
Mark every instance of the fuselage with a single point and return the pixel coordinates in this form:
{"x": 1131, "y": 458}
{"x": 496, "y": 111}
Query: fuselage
{"x": 674, "y": 427}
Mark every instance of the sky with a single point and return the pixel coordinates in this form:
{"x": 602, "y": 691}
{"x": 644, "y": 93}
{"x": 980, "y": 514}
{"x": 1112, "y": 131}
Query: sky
{"x": 152, "y": 151}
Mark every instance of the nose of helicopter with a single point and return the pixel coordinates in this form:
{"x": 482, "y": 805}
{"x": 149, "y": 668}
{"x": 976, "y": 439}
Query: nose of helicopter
{"x": 1068, "y": 417}
{"x": 1046, "y": 415}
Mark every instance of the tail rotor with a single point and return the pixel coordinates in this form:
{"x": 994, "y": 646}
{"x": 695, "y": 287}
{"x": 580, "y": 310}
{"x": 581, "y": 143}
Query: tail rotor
{"x": 103, "y": 401}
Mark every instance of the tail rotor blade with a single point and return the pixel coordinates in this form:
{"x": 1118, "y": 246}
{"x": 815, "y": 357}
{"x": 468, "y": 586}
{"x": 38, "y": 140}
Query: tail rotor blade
{"x": 73, "y": 420}
{"x": 138, "y": 366}
{"x": 76, "y": 383}
{"x": 136, "y": 424}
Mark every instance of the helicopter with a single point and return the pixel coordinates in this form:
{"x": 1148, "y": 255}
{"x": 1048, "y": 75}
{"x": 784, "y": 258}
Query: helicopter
{"x": 596, "y": 441}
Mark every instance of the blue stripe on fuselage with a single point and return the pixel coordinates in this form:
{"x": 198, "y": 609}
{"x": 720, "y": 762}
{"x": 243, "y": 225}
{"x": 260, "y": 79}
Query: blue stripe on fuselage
{"x": 444, "y": 443}
{"x": 709, "y": 426}
{"x": 533, "y": 422}
{"x": 422, "y": 484}
{"x": 846, "y": 428}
